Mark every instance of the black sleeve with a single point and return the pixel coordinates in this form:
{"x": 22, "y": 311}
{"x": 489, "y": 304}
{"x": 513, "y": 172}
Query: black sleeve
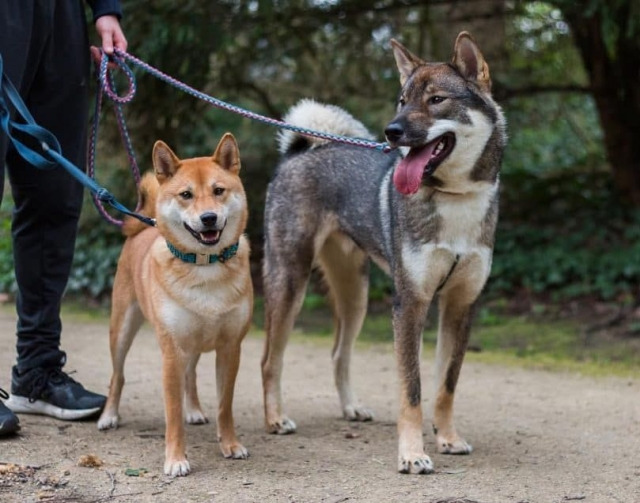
{"x": 105, "y": 7}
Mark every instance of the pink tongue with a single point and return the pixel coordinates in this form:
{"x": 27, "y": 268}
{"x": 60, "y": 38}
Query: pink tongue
{"x": 408, "y": 174}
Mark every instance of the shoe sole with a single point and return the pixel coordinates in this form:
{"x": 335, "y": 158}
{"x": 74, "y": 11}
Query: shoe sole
{"x": 8, "y": 428}
{"x": 22, "y": 405}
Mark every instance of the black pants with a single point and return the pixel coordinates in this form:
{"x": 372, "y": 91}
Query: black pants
{"x": 45, "y": 50}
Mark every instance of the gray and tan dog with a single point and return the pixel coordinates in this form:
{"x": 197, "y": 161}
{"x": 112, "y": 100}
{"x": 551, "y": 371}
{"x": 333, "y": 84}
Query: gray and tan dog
{"x": 427, "y": 218}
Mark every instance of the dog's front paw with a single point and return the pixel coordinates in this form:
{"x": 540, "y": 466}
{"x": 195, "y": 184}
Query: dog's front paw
{"x": 282, "y": 426}
{"x": 357, "y": 413}
{"x": 196, "y": 417}
{"x": 108, "y": 422}
{"x": 418, "y": 463}
{"x": 454, "y": 445}
{"x": 177, "y": 468}
{"x": 234, "y": 450}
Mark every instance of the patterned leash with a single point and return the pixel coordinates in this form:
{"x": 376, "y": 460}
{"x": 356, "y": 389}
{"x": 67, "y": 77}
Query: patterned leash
{"x": 106, "y": 86}
{"x": 40, "y": 148}
{"x": 120, "y": 58}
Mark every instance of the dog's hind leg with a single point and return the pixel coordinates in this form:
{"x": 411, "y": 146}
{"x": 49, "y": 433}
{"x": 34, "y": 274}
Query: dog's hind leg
{"x": 192, "y": 409}
{"x": 126, "y": 319}
{"x": 453, "y": 336}
{"x": 285, "y": 282}
{"x": 346, "y": 271}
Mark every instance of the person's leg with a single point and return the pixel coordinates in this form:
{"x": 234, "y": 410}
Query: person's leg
{"x": 16, "y": 23}
{"x": 48, "y": 203}
{"x": 47, "y": 209}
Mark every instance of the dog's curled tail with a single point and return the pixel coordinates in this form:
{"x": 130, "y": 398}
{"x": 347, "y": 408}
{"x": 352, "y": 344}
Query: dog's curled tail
{"x": 148, "y": 193}
{"x": 310, "y": 114}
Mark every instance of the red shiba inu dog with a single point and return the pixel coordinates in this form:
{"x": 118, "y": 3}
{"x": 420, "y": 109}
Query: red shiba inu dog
{"x": 189, "y": 277}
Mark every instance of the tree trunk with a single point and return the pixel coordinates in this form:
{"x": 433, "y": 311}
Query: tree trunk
{"x": 614, "y": 75}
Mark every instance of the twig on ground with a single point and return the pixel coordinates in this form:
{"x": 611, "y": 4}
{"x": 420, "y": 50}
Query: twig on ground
{"x": 112, "y": 476}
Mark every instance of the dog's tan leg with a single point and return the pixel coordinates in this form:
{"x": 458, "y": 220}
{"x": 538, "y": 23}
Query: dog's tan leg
{"x": 453, "y": 336}
{"x": 409, "y": 315}
{"x": 227, "y": 363}
{"x": 173, "y": 381}
{"x": 126, "y": 319}
{"x": 346, "y": 270}
{"x": 193, "y": 410}
{"x": 284, "y": 290}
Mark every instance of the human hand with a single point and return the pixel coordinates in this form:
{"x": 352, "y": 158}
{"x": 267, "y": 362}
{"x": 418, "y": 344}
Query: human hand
{"x": 109, "y": 30}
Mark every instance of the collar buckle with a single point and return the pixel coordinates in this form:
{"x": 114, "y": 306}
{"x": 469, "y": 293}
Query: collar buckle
{"x": 202, "y": 259}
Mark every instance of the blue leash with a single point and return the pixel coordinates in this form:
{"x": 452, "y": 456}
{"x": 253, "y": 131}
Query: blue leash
{"x": 50, "y": 157}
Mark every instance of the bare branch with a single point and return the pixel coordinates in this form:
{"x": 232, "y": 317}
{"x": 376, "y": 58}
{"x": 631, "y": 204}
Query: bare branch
{"x": 502, "y": 93}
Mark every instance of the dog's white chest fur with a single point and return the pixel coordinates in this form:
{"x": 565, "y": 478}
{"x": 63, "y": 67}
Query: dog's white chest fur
{"x": 197, "y": 303}
{"x": 457, "y": 249}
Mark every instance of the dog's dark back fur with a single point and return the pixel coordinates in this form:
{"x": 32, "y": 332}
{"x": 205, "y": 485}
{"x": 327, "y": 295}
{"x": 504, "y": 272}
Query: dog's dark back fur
{"x": 301, "y": 182}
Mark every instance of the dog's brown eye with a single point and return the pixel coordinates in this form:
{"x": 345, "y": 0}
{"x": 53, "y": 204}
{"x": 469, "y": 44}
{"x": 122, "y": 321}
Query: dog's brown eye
{"x": 186, "y": 194}
{"x": 434, "y": 100}
{"x": 218, "y": 191}
{"x": 401, "y": 102}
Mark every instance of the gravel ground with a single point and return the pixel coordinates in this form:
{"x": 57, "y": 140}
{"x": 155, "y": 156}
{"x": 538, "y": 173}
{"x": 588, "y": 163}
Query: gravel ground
{"x": 538, "y": 437}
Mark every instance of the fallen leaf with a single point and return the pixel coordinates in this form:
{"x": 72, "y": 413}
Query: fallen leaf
{"x": 90, "y": 461}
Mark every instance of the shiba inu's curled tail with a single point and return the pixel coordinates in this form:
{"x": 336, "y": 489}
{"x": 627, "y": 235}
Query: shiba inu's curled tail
{"x": 310, "y": 114}
{"x": 148, "y": 193}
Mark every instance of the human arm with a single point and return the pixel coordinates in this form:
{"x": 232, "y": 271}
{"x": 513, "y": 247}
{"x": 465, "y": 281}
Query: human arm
{"x": 111, "y": 34}
{"x": 106, "y": 16}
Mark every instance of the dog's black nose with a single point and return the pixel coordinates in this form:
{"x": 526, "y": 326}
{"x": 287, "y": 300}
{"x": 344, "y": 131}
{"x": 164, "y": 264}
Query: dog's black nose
{"x": 208, "y": 219}
{"x": 394, "y": 132}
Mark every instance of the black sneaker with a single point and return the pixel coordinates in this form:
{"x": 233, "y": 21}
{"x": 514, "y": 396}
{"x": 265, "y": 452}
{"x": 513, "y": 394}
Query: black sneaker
{"x": 53, "y": 393}
{"x": 9, "y": 422}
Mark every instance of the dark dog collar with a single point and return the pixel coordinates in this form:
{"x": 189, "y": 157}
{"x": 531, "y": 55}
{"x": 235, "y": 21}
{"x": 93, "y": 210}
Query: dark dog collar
{"x": 203, "y": 258}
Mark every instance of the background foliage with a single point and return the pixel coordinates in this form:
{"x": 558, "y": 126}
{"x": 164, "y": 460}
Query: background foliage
{"x": 565, "y": 231}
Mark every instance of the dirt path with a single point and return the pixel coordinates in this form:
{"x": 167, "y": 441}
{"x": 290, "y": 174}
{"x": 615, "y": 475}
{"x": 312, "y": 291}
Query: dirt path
{"x": 538, "y": 437}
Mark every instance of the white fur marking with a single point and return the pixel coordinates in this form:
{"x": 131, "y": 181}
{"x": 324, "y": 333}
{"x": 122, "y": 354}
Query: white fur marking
{"x": 470, "y": 143}
{"x": 310, "y": 114}
{"x": 385, "y": 219}
{"x": 459, "y": 236}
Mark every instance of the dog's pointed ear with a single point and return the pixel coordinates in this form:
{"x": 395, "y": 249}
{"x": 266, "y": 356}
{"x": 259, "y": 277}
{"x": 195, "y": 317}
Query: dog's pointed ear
{"x": 227, "y": 154}
{"x": 165, "y": 162}
{"x": 405, "y": 60}
{"x": 469, "y": 61}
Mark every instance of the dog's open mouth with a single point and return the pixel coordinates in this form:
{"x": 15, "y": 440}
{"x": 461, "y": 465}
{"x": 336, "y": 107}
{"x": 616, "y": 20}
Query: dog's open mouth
{"x": 421, "y": 162}
{"x": 207, "y": 236}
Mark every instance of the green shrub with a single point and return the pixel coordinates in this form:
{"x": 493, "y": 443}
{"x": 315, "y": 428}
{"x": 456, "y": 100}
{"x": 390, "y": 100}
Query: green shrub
{"x": 566, "y": 235}
{"x": 560, "y": 236}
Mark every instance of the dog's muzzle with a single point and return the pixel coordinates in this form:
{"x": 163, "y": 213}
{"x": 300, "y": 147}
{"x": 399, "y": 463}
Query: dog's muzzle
{"x": 210, "y": 232}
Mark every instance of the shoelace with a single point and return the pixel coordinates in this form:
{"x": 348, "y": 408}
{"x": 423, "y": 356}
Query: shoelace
{"x": 42, "y": 380}
{"x": 3, "y": 394}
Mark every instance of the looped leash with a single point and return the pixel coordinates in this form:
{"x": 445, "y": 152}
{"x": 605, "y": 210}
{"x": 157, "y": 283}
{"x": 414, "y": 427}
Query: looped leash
{"x": 107, "y": 84}
{"x": 120, "y": 58}
{"x": 107, "y": 87}
{"x": 50, "y": 157}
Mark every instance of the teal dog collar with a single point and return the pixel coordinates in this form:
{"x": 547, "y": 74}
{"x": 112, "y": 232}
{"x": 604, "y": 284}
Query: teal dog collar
{"x": 203, "y": 258}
